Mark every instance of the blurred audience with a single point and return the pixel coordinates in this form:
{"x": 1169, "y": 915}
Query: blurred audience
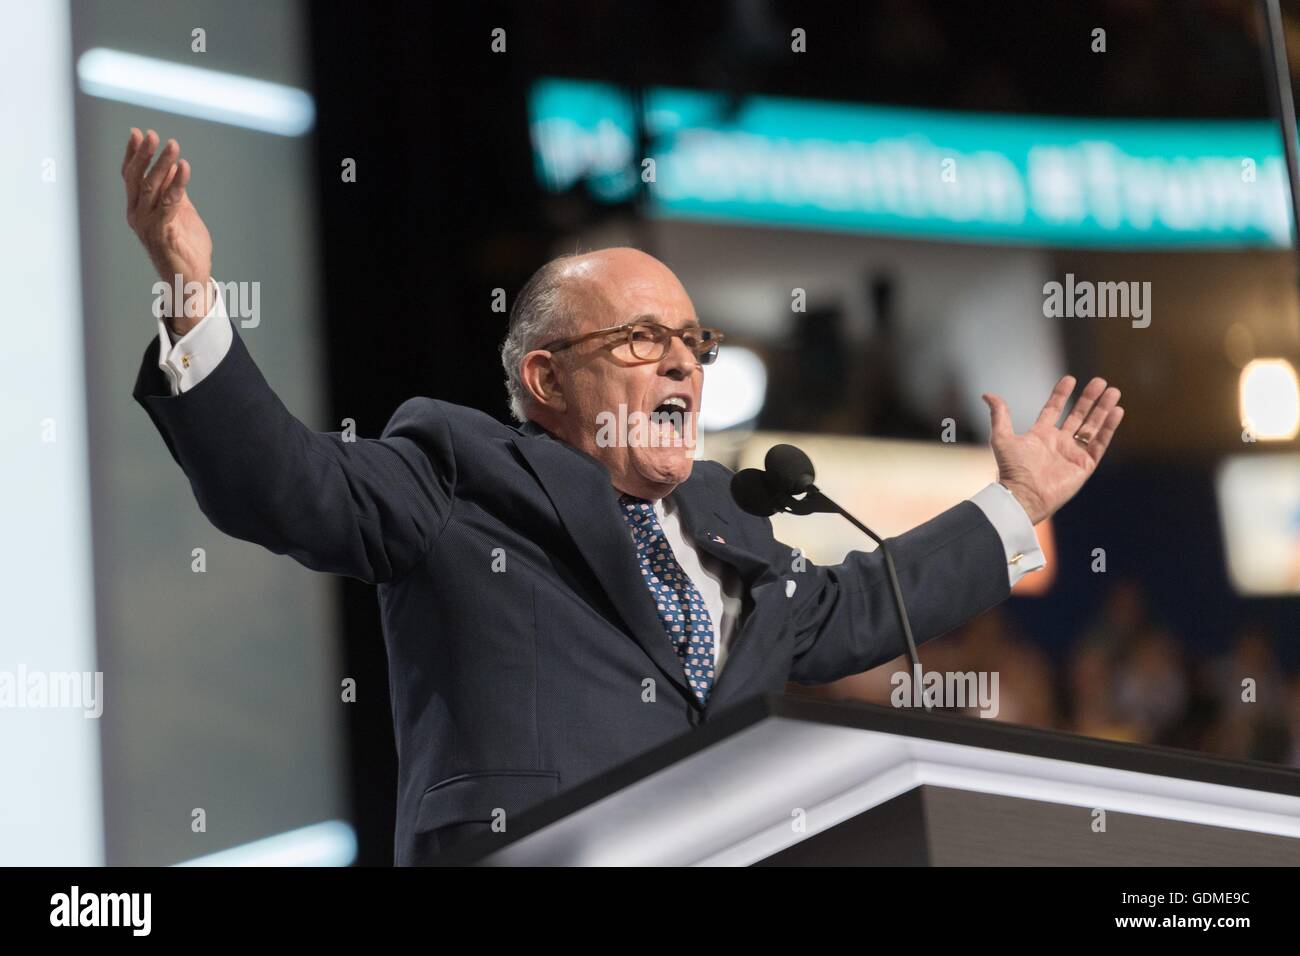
{"x": 1127, "y": 678}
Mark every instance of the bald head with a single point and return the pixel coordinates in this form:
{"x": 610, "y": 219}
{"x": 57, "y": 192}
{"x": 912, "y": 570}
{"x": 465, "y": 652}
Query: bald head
{"x": 571, "y": 390}
{"x": 601, "y": 275}
{"x": 573, "y": 294}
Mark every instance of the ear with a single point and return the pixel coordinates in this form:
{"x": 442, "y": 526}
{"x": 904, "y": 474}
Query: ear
{"x": 542, "y": 380}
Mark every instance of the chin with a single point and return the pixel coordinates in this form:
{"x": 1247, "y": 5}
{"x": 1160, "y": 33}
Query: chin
{"x": 669, "y": 471}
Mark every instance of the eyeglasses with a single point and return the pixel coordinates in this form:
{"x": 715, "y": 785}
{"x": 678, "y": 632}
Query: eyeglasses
{"x": 649, "y": 341}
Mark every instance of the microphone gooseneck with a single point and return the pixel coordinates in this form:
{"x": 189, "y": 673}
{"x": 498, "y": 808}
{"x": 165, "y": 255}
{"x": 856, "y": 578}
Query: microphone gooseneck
{"x": 789, "y": 474}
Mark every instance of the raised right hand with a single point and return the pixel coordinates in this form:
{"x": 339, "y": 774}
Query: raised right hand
{"x": 159, "y": 210}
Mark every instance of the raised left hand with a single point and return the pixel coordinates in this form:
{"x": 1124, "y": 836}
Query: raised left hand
{"x": 159, "y": 210}
{"x": 1047, "y": 465}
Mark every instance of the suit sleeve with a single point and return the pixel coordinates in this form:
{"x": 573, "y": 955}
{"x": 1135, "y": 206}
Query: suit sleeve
{"x": 368, "y": 509}
{"x": 949, "y": 569}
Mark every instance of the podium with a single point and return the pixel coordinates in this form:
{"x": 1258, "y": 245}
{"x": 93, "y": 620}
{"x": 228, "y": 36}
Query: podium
{"x": 795, "y": 781}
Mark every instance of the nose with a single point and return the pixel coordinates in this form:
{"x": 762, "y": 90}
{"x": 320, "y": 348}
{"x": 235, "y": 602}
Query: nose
{"x": 679, "y": 362}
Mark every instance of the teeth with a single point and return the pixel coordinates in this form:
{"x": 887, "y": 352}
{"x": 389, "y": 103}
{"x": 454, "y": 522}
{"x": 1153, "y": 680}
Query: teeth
{"x": 676, "y": 402}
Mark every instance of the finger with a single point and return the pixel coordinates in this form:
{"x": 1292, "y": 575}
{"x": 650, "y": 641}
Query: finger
{"x": 1097, "y": 417}
{"x": 166, "y": 183}
{"x": 1056, "y": 401}
{"x": 1087, "y": 398}
{"x": 132, "y": 143}
{"x": 134, "y": 174}
{"x": 174, "y": 189}
{"x": 999, "y": 416}
{"x": 152, "y": 187}
{"x": 1097, "y": 447}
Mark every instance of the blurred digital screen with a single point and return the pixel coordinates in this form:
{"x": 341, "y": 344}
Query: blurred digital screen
{"x": 927, "y": 173}
{"x": 236, "y": 652}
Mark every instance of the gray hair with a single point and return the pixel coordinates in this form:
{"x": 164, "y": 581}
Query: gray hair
{"x": 543, "y": 311}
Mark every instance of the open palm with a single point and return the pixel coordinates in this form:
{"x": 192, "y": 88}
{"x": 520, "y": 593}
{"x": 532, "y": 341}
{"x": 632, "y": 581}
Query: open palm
{"x": 1047, "y": 465}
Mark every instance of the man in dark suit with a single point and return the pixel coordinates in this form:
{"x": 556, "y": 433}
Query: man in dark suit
{"x": 560, "y": 596}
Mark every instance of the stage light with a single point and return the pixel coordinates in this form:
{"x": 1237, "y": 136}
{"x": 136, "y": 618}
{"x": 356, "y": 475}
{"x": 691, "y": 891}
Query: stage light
{"x": 196, "y": 91}
{"x": 734, "y": 389}
{"x": 1270, "y": 399}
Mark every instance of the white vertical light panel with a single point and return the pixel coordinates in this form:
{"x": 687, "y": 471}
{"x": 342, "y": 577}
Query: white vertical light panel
{"x": 50, "y": 799}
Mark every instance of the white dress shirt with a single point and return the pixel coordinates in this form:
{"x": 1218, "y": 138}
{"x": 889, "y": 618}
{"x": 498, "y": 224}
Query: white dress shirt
{"x": 187, "y": 360}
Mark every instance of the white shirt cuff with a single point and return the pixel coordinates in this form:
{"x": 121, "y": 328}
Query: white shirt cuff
{"x": 1014, "y": 528}
{"x": 187, "y": 360}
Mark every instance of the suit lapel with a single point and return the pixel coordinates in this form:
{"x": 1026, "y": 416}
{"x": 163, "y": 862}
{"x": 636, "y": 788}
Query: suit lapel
{"x": 707, "y": 527}
{"x": 580, "y": 489}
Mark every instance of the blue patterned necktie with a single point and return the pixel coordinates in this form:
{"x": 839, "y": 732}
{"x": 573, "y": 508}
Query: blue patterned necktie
{"x": 681, "y": 609}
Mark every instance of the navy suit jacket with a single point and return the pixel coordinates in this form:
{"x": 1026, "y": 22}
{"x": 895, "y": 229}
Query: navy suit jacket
{"x": 525, "y": 653}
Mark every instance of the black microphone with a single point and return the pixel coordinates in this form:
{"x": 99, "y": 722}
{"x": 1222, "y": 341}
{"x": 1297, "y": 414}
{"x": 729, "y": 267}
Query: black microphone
{"x": 789, "y": 473}
{"x": 789, "y": 468}
{"x": 754, "y": 493}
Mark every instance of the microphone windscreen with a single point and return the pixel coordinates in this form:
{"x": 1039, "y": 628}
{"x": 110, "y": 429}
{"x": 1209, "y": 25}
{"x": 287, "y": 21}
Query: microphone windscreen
{"x": 789, "y": 469}
{"x": 752, "y": 492}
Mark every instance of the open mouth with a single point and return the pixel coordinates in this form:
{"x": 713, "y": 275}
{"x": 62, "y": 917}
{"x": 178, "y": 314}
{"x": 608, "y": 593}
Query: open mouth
{"x": 674, "y": 405}
{"x": 673, "y": 419}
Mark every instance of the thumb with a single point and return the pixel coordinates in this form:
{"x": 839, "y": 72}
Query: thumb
{"x": 999, "y": 416}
